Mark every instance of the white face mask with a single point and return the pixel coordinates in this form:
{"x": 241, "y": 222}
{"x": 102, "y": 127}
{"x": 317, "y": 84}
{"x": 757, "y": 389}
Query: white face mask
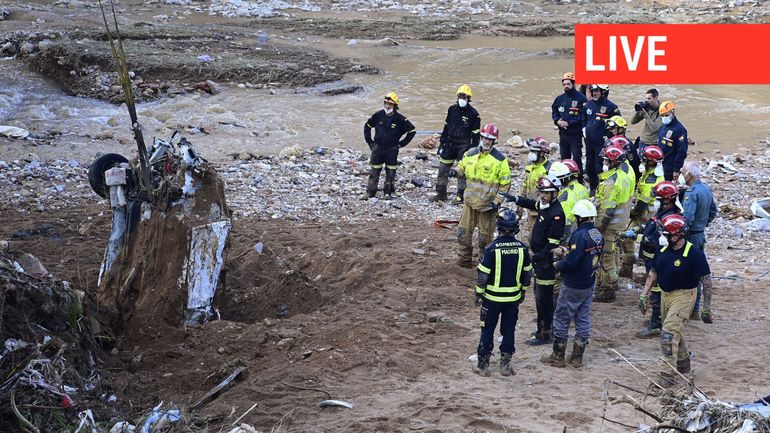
{"x": 681, "y": 180}
{"x": 656, "y": 206}
{"x": 462, "y": 102}
{"x": 666, "y": 119}
{"x": 532, "y": 157}
{"x": 485, "y": 148}
{"x": 544, "y": 205}
{"x": 642, "y": 168}
{"x": 605, "y": 167}
{"x": 658, "y": 170}
{"x": 662, "y": 240}
{"x": 388, "y": 110}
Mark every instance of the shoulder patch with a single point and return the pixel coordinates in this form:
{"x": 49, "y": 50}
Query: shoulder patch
{"x": 472, "y": 151}
{"x": 595, "y": 235}
{"x": 496, "y": 153}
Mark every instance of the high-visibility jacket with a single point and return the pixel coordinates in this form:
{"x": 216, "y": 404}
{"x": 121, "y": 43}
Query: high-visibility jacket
{"x": 532, "y": 174}
{"x": 613, "y": 197}
{"x": 644, "y": 195}
{"x": 569, "y": 195}
{"x": 504, "y": 271}
{"x": 486, "y": 174}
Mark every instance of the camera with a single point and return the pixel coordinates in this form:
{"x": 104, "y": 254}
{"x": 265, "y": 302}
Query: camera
{"x": 641, "y": 105}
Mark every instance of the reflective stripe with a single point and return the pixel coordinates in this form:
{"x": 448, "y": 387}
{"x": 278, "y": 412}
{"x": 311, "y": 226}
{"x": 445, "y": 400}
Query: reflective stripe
{"x": 502, "y": 298}
{"x": 483, "y": 269}
{"x": 476, "y": 131}
{"x": 446, "y": 161}
{"x": 554, "y": 241}
{"x": 392, "y": 167}
{"x": 479, "y": 290}
{"x": 648, "y": 255}
{"x": 503, "y": 289}
{"x": 519, "y": 265}
{"x": 545, "y": 282}
{"x": 528, "y": 268}
{"x": 656, "y": 289}
{"x": 377, "y": 165}
{"x": 498, "y": 268}
{"x": 686, "y": 249}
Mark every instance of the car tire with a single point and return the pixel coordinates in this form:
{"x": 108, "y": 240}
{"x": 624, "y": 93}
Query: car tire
{"x": 96, "y": 172}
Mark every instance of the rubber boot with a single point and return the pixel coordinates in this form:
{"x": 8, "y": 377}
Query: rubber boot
{"x": 646, "y": 332}
{"x": 440, "y": 194}
{"x": 576, "y": 357}
{"x": 458, "y": 199}
{"x": 543, "y": 338}
{"x": 683, "y": 365}
{"x": 482, "y": 367}
{"x": 606, "y": 294}
{"x": 505, "y": 364}
{"x": 667, "y": 380}
{"x": 371, "y": 185}
{"x": 389, "y": 188}
{"x": 627, "y": 271}
{"x": 556, "y": 358}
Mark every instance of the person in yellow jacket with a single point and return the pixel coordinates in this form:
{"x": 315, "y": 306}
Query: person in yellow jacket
{"x": 651, "y": 175}
{"x": 613, "y": 198}
{"x": 567, "y": 172}
{"x": 536, "y": 168}
{"x": 487, "y": 173}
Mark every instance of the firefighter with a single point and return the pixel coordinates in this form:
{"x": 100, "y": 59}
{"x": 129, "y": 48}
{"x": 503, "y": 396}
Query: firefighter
{"x": 546, "y": 235}
{"x": 488, "y": 173}
{"x": 672, "y": 138}
{"x": 537, "y": 166}
{"x": 651, "y": 175}
{"x": 567, "y": 113}
{"x": 678, "y": 268}
{"x": 504, "y": 274}
{"x": 461, "y": 132}
{"x": 613, "y": 196}
{"x": 616, "y": 132}
{"x": 598, "y": 110}
{"x": 577, "y": 269}
{"x": 389, "y": 128}
{"x": 666, "y": 197}
{"x": 574, "y": 184}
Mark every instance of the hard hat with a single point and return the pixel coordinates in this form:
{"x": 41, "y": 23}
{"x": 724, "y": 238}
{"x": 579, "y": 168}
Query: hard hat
{"x": 622, "y": 142}
{"x": 538, "y": 144}
{"x": 392, "y": 97}
{"x": 665, "y": 190}
{"x": 674, "y": 224}
{"x": 584, "y": 209}
{"x": 568, "y": 76}
{"x": 465, "y": 90}
{"x": 559, "y": 170}
{"x": 666, "y": 107}
{"x": 490, "y": 131}
{"x": 616, "y": 122}
{"x": 572, "y": 165}
{"x": 602, "y": 87}
{"x": 549, "y": 184}
{"x": 613, "y": 153}
{"x": 507, "y": 221}
{"x": 652, "y": 153}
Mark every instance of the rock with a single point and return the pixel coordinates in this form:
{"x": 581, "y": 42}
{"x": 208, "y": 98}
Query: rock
{"x": 3, "y": 245}
{"x": 214, "y": 88}
{"x": 288, "y": 333}
{"x": 285, "y": 344}
{"x": 32, "y": 265}
{"x": 221, "y": 350}
{"x": 419, "y": 251}
{"x": 436, "y": 316}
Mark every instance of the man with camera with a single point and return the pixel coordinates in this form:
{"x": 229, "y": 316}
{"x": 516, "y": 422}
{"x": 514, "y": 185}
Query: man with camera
{"x": 647, "y": 110}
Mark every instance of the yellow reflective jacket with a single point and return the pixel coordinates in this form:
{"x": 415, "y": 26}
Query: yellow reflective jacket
{"x": 485, "y": 175}
{"x": 647, "y": 181}
{"x": 569, "y": 195}
{"x": 532, "y": 174}
{"x": 614, "y": 195}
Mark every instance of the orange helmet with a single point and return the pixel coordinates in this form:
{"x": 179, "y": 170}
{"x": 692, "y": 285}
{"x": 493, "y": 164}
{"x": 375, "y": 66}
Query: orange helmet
{"x": 666, "y": 107}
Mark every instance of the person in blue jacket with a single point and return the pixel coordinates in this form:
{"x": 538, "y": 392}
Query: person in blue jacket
{"x": 672, "y": 138}
{"x": 578, "y": 273}
{"x": 567, "y": 112}
{"x": 598, "y": 110}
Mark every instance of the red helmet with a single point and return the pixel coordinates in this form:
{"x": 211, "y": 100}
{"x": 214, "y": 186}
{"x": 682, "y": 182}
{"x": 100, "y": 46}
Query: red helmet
{"x": 538, "y": 144}
{"x": 614, "y": 153}
{"x": 652, "y": 153}
{"x": 665, "y": 190}
{"x": 572, "y": 165}
{"x": 674, "y": 224}
{"x": 490, "y": 131}
{"x": 622, "y": 141}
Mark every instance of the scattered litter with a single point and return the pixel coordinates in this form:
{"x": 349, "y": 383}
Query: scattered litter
{"x": 13, "y": 132}
{"x": 205, "y": 58}
{"x": 122, "y": 427}
{"x": 243, "y": 428}
{"x": 335, "y": 403}
{"x": 160, "y": 417}
{"x": 214, "y": 392}
{"x": 259, "y": 247}
{"x": 722, "y": 165}
{"x": 760, "y": 206}
{"x": 86, "y": 421}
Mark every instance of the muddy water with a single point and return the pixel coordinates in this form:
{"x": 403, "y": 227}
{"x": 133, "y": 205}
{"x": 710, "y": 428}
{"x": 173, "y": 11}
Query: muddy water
{"x": 514, "y": 81}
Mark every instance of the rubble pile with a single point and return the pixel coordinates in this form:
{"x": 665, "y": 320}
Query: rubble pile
{"x": 32, "y": 185}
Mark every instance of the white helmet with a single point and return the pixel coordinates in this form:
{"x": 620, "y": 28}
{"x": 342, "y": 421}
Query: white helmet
{"x": 559, "y": 170}
{"x": 584, "y": 209}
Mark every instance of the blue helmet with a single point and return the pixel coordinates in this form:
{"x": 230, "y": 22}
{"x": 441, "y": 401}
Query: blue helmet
{"x": 507, "y": 221}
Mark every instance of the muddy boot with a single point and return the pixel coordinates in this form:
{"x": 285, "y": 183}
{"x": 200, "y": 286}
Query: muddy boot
{"x": 646, "y": 332}
{"x": 505, "y": 364}
{"x": 482, "y": 367}
{"x": 458, "y": 199}
{"x": 605, "y": 294}
{"x": 440, "y": 194}
{"x": 695, "y": 314}
{"x": 683, "y": 365}
{"x": 627, "y": 271}
{"x": 666, "y": 380}
{"x": 556, "y": 358}
{"x": 389, "y": 188}
{"x": 371, "y": 185}
{"x": 465, "y": 263}
{"x": 538, "y": 340}
{"x": 576, "y": 357}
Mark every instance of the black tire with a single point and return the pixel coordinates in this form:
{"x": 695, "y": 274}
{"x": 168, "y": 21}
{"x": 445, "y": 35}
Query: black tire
{"x": 96, "y": 172}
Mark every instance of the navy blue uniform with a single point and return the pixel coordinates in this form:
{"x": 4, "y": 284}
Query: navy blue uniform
{"x": 596, "y": 115}
{"x": 388, "y": 130}
{"x": 672, "y": 138}
{"x": 578, "y": 268}
{"x": 503, "y": 276}
{"x": 570, "y": 107}
{"x": 461, "y": 132}
{"x": 680, "y": 269}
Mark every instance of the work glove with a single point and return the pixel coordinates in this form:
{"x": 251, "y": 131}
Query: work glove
{"x": 559, "y": 253}
{"x": 372, "y": 145}
{"x": 644, "y": 303}
{"x": 452, "y": 172}
{"x": 630, "y": 233}
{"x": 509, "y": 197}
{"x": 705, "y": 316}
{"x": 478, "y": 300}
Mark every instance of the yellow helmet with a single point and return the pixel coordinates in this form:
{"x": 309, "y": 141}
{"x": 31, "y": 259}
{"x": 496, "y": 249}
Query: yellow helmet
{"x": 568, "y": 76}
{"x": 666, "y": 106}
{"x": 617, "y": 122}
{"x": 393, "y": 97}
{"x": 465, "y": 89}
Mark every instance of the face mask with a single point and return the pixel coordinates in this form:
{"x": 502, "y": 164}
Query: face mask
{"x": 388, "y": 110}
{"x": 681, "y": 180}
{"x": 656, "y": 206}
{"x": 678, "y": 204}
{"x": 605, "y": 167}
{"x": 642, "y": 168}
{"x": 666, "y": 119}
{"x": 532, "y": 157}
{"x": 662, "y": 241}
{"x": 486, "y": 148}
{"x": 462, "y": 102}
{"x": 544, "y": 205}
{"x": 658, "y": 170}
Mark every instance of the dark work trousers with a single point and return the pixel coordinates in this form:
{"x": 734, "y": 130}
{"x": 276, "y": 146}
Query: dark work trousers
{"x": 593, "y": 164}
{"x": 655, "y": 320}
{"x": 508, "y": 314}
{"x": 571, "y": 147}
{"x": 545, "y": 276}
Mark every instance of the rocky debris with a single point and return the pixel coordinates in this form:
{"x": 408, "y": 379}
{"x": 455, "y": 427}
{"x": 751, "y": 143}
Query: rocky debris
{"x": 245, "y": 8}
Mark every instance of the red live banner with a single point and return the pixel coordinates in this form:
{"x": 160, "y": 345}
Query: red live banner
{"x": 672, "y": 53}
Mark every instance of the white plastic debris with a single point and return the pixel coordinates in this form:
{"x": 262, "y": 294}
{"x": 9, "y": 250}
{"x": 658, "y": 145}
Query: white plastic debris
{"x": 759, "y": 207}
{"x": 757, "y": 225}
{"x": 259, "y": 247}
{"x": 160, "y": 416}
{"x": 13, "y": 132}
{"x": 122, "y": 427}
{"x": 748, "y": 427}
{"x": 243, "y": 428}
{"x": 200, "y": 272}
{"x": 87, "y": 423}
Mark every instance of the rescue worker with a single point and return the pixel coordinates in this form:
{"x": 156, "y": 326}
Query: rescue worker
{"x": 699, "y": 209}
{"x": 678, "y": 268}
{"x": 574, "y": 183}
{"x": 537, "y": 166}
{"x": 488, "y": 174}
{"x": 504, "y": 274}
{"x": 666, "y": 196}
{"x": 647, "y": 110}
{"x": 672, "y": 138}
{"x": 651, "y": 175}
{"x": 597, "y": 111}
{"x": 567, "y": 113}
{"x": 546, "y": 235}
{"x": 578, "y": 270}
{"x": 389, "y": 128}
{"x": 613, "y": 196}
{"x": 461, "y": 132}
{"x": 616, "y": 131}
